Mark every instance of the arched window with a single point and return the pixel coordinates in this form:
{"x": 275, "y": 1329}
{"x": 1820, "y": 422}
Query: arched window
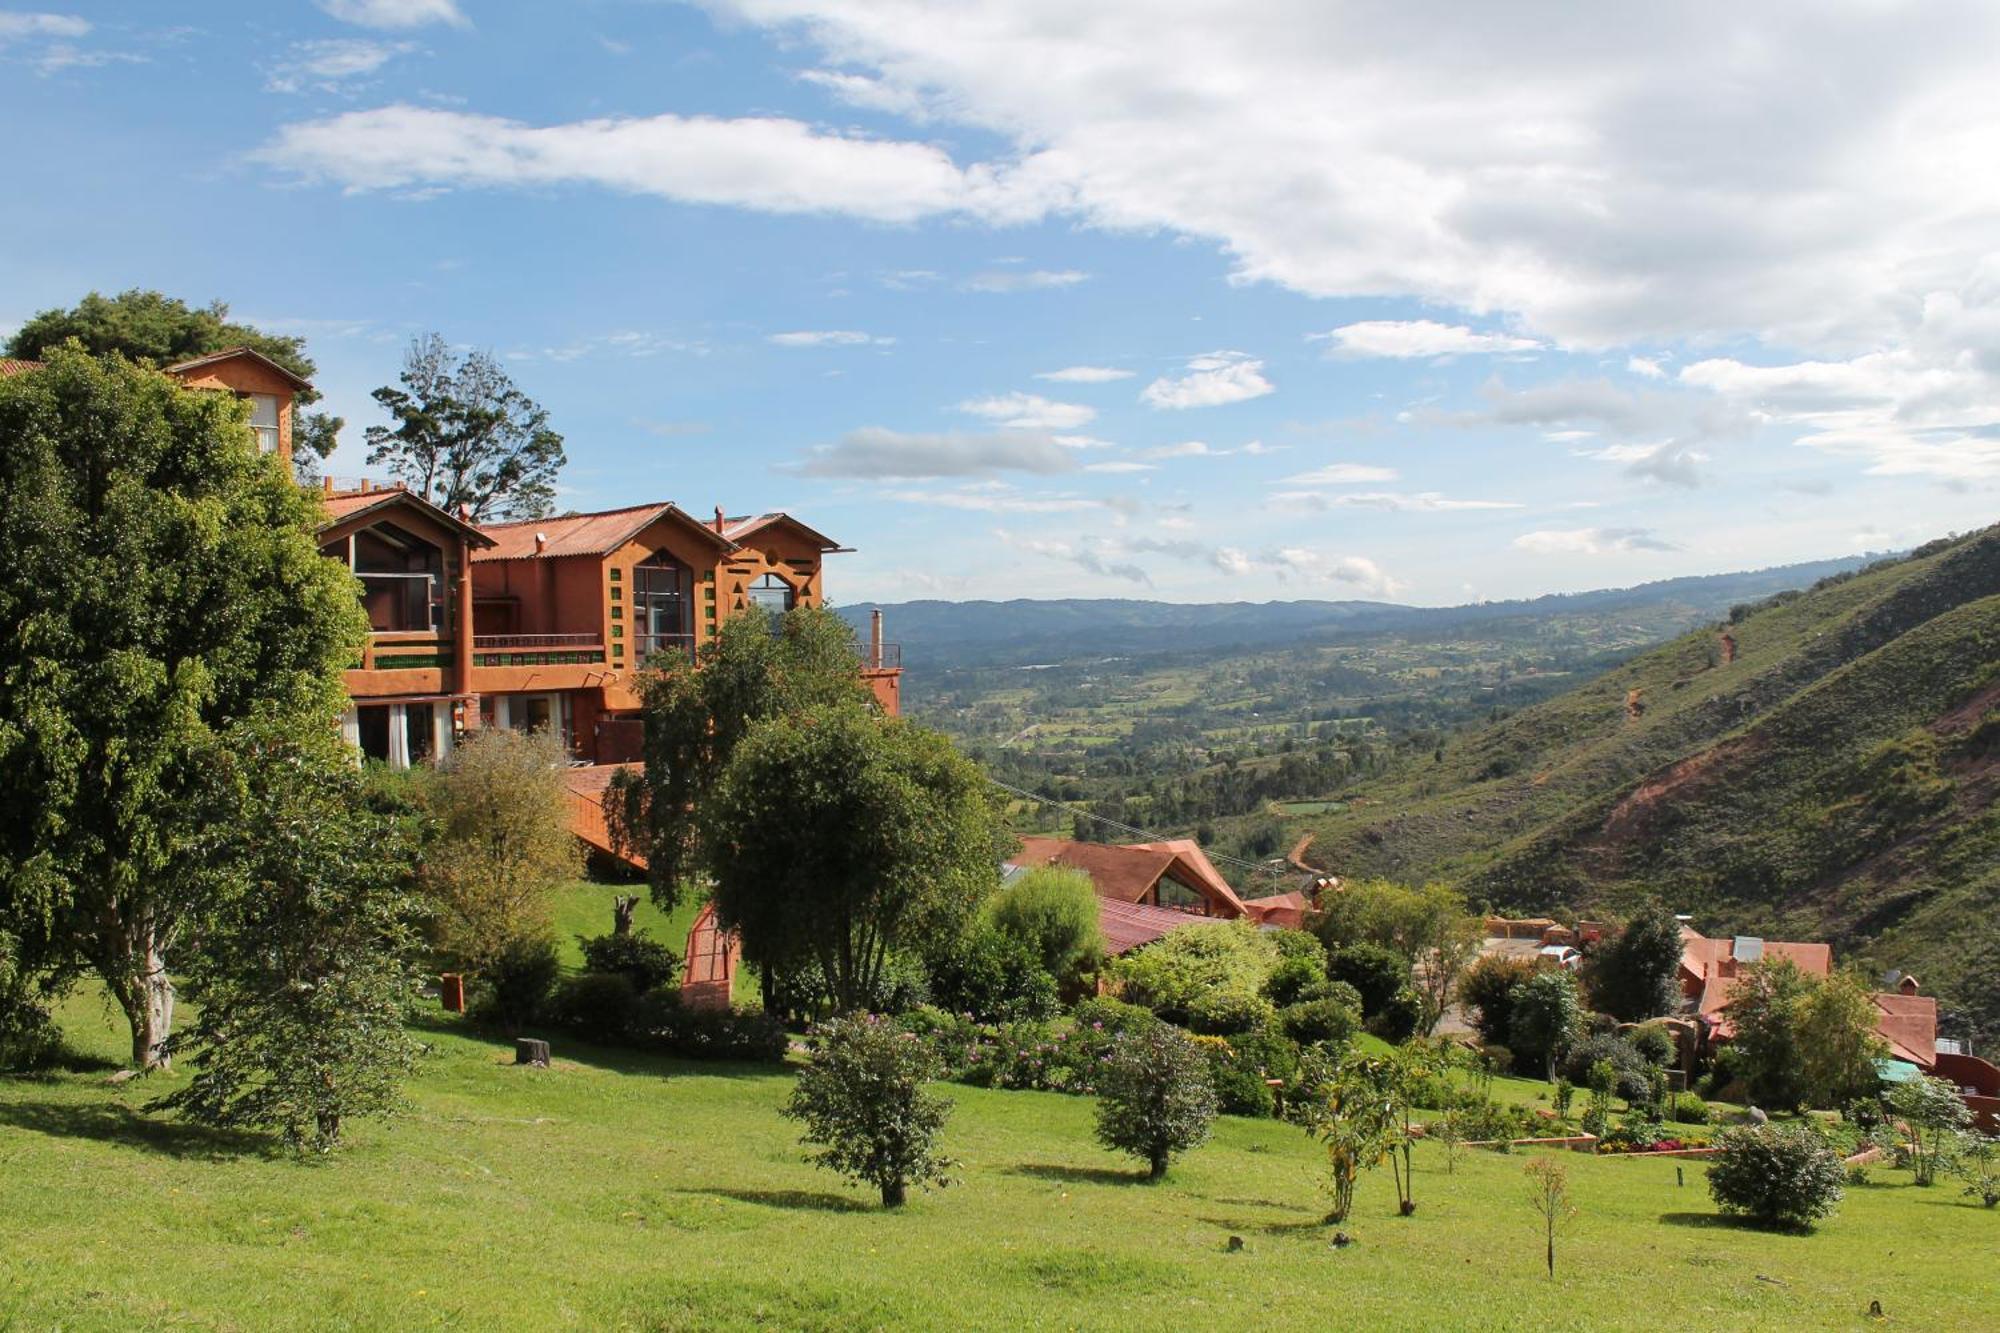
{"x": 773, "y": 594}
{"x": 660, "y": 606}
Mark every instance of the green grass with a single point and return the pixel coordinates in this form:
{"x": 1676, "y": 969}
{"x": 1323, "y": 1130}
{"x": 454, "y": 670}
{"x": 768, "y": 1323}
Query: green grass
{"x": 584, "y": 908}
{"x": 614, "y": 1191}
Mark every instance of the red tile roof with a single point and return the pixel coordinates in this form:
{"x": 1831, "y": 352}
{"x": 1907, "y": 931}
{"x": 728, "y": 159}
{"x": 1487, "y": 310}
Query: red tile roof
{"x": 1126, "y": 926}
{"x": 1909, "y": 1024}
{"x": 736, "y": 529}
{"x": 340, "y": 505}
{"x": 1125, "y": 874}
{"x": 1129, "y": 872}
{"x": 1279, "y": 909}
{"x": 10, "y": 366}
{"x": 238, "y": 354}
{"x": 586, "y": 534}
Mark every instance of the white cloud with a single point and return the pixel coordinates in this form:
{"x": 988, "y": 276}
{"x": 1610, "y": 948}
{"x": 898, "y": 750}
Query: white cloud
{"x": 881, "y": 454}
{"x": 999, "y": 502}
{"x": 1425, "y": 502}
{"x": 767, "y": 164}
{"x": 331, "y": 64}
{"x": 1213, "y": 379}
{"x": 828, "y": 338}
{"x": 1084, "y": 375}
{"x": 623, "y": 342}
{"x": 15, "y": 26}
{"x": 1029, "y": 411}
{"x": 1316, "y": 566}
{"x": 1646, "y": 366}
{"x": 865, "y": 92}
{"x": 1404, "y": 338}
{"x": 1592, "y": 541}
{"x": 1673, "y": 464}
{"x": 1118, "y": 466}
{"x": 1203, "y": 449}
{"x": 1030, "y": 280}
{"x": 1342, "y": 474}
{"x": 395, "y": 13}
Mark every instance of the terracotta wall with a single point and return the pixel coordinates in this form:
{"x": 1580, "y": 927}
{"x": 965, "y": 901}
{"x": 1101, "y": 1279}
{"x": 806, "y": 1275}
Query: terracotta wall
{"x": 246, "y": 376}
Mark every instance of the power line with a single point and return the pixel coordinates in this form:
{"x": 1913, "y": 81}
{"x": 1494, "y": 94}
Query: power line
{"x": 1256, "y": 867}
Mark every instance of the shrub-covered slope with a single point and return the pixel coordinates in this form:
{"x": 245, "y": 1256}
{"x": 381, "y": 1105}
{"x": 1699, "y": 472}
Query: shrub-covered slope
{"x": 1822, "y": 766}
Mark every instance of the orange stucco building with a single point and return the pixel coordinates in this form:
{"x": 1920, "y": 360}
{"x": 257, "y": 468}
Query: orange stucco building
{"x": 539, "y": 623}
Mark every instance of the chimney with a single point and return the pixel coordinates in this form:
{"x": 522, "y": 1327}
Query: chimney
{"x": 718, "y": 520}
{"x": 326, "y": 484}
{"x": 875, "y": 637}
{"x": 1907, "y": 986}
{"x": 541, "y": 542}
{"x": 365, "y": 486}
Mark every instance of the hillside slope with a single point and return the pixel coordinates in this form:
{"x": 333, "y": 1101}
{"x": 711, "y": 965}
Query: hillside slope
{"x": 1823, "y": 767}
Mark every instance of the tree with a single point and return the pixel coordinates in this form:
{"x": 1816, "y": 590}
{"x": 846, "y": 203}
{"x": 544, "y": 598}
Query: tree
{"x": 503, "y": 843}
{"x": 862, "y": 1099}
{"x": 162, "y": 591}
{"x": 1427, "y": 925}
{"x": 1485, "y": 991}
{"x": 307, "y": 970}
{"x": 145, "y": 325}
{"x": 1837, "y": 1042}
{"x": 1377, "y": 972}
{"x": 1343, "y": 1101}
{"x": 1935, "y": 1116}
{"x": 1780, "y": 1175}
{"x": 842, "y": 837}
{"x": 466, "y": 436}
{"x": 1547, "y": 1017}
{"x": 1632, "y": 975}
{"x": 1548, "y": 1193}
{"x": 1210, "y": 964}
{"x": 1764, "y": 1005}
{"x": 1155, "y": 1097}
{"x": 1053, "y": 911}
{"x": 1979, "y": 1167}
{"x": 697, "y": 713}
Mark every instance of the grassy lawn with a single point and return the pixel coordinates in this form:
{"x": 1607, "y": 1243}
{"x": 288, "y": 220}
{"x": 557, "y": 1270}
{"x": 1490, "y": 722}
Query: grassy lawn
{"x": 614, "y": 1191}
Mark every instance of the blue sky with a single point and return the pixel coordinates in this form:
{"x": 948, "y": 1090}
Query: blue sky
{"x": 1245, "y": 302}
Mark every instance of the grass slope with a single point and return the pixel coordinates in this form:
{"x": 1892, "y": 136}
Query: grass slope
{"x": 1827, "y": 772}
{"x": 615, "y": 1191}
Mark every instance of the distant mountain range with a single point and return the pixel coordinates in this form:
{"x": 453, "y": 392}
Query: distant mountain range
{"x": 943, "y": 635}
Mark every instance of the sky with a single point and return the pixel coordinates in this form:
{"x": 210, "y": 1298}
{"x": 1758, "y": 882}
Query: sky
{"x": 1137, "y": 298}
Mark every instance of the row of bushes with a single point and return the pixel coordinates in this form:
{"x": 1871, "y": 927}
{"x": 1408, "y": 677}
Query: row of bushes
{"x": 626, "y": 997}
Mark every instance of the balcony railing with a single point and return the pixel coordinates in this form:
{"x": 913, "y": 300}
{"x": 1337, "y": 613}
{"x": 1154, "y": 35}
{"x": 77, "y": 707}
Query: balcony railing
{"x": 890, "y": 658}
{"x": 649, "y": 646}
{"x": 537, "y": 649}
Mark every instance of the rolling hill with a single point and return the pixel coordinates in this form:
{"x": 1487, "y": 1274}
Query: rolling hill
{"x": 1821, "y": 765}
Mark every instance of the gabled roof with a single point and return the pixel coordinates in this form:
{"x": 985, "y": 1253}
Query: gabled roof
{"x": 1126, "y": 926}
{"x": 736, "y": 529}
{"x": 343, "y": 505}
{"x": 238, "y": 354}
{"x": 10, "y": 366}
{"x": 1909, "y": 1024}
{"x": 1129, "y": 872}
{"x": 597, "y": 533}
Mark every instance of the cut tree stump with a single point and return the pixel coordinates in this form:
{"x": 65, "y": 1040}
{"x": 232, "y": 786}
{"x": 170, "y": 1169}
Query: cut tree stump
{"x": 529, "y": 1051}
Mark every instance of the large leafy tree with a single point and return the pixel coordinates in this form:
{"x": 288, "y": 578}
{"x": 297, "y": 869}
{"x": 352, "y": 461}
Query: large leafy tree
{"x": 162, "y": 593}
{"x": 842, "y": 836}
{"x": 696, "y": 716}
{"x": 307, "y": 970}
{"x": 466, "y": 436}
{"x": 1837, "y": 1041}
{"x": 1764, "y": 1005}
{"x": 1427, "y": 924}
{"x": 1631, "y": 975}
{"x": 151, "y": 326}
{"x": 1545, "y": 1018}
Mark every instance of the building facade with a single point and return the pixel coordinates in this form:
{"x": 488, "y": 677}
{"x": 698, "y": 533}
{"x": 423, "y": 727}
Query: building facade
{"x": 543, "y": 623}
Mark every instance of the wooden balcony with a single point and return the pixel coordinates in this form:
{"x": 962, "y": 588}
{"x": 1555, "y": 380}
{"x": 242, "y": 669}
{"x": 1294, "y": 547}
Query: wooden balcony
{"x": 516, "y": 650}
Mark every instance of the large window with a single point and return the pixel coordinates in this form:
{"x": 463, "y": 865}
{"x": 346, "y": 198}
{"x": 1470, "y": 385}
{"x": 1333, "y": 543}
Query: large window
{"x": 661, "y": 605}
{"x": 402, "y": 578}
{"x": 773, "y": 594}
{"x": 264, "y": 421}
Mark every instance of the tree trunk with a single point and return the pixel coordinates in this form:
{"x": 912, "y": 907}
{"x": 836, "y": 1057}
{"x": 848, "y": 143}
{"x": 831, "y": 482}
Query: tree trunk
{"x": 621, "y": 913}
{"x": 137, "y": 976}
{"x": 1552, "y": 1256}
{"x": 1157, "y": 1167}
{"x": 893, "y": 1194}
